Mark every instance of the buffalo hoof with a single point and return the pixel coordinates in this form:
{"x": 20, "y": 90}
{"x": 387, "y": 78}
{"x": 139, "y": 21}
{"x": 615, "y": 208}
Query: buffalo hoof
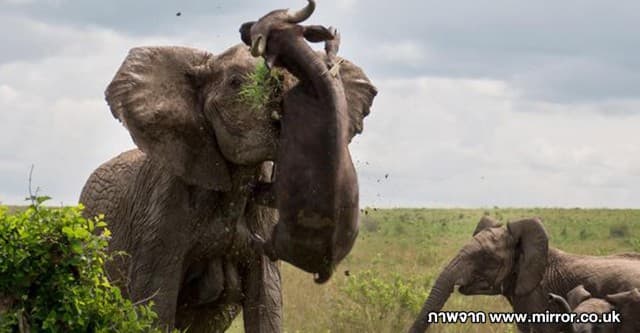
{"x": 322, "y": 277}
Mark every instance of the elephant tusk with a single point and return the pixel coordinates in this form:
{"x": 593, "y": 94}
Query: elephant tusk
{"x": 258, "y": 46}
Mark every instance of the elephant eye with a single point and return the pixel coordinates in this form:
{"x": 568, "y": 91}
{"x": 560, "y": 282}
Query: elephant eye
{"x": 235, "y": 82}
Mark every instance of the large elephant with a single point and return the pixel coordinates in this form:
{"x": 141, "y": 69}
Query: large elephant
{"x": 182, "y": 206}
{"x": 516, "y": 262}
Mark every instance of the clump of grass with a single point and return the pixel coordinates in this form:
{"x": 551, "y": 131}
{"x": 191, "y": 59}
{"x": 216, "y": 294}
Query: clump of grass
{"x": 262, "y": 87}
{"x": 618, "y": 231}
{"x": 369, "y": 302}
{"x": 370, "y": 224}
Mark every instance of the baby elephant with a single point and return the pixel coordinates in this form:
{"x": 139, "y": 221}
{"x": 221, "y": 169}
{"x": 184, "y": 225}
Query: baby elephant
{"x": 580, "y": 301}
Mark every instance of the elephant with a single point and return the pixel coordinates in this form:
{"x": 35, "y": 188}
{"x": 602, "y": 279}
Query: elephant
{"x": 517, "y": 263}
{"x": 317, "y": 226}
{"x": 185, "y": 205}
{"x": 627, "y": 303}
{"x": 580, "y": 301}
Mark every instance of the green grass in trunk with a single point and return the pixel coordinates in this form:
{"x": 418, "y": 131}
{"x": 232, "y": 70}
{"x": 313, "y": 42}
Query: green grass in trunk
{"x": 262, "y": 88}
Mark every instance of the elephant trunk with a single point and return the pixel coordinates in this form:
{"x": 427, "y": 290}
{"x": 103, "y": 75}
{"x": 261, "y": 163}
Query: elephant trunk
{"x": 440, "y": 292}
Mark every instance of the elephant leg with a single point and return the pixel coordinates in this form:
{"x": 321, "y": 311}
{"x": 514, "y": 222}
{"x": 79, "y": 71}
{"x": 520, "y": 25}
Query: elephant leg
{"x": 208, "y": 318}
{"x": 262, "y": 305}
{"x": 156, "y": 277}
{"x": 211, "y": 301}
{"x": 232, "y": 283}
{"x": 220, "y": 281}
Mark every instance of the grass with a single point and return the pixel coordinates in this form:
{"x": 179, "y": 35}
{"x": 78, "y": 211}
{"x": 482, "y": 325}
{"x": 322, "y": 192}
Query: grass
{"x": 414, "y": 244}
{"x": 261, "y": 88}
{"x": 380, "y": 286}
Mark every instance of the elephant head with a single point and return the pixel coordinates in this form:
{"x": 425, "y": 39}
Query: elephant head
{"x": 580, "y": 301}
{"x": 498, "y": 260}
{"x": 180, "y": 107}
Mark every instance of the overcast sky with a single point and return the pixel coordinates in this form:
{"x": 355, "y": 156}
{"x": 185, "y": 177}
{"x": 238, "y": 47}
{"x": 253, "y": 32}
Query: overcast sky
{"x": 481, "y": 103}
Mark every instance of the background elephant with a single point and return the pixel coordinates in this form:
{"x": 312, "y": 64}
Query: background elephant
{"x": 182, "y": 206}
{"x": 627, "y": 303}
{"x": 516, "y": 262}
{"x": 580, "y": 301}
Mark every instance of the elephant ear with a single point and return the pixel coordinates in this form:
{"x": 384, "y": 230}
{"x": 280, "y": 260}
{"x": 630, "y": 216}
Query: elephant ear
{"x": 486, "y": 222}
{"x": 360, "y": 93}
{"x": 532, "y": 244}
{"x": 577, "y": 295}
{"x": 155, "y": 95}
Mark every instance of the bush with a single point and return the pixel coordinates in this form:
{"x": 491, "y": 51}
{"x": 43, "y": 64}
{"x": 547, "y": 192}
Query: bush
{"x": 52, "y": 277}
{"x": 369, "y": 303}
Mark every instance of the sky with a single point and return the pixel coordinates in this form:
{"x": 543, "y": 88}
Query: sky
{"x": 481, "y": 103}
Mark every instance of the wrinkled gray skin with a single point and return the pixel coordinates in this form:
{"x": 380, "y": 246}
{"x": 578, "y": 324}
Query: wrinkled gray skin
{"x": 627, "y": 303}
{"x": 182, "y": 205}
{"x": 516, "y": 262}
{"x": 580, "y": 301}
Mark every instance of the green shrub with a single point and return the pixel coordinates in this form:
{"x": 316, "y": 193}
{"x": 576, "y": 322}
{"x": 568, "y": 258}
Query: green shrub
{"x": 370, "y": 303}
{"x": 52, "y": 277}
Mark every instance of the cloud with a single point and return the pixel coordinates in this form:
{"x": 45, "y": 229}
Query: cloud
{"x": 555, "y": 51}
{"x": 465, "y": 142}
{"x": 54, "y": 115}
{"x": 480, "y": 104}
{"x": 406, "y": 52}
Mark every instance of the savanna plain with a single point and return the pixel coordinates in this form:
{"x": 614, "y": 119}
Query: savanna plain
{"x": 382, "y": 284}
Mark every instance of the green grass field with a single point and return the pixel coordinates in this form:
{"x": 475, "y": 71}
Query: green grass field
{"x": 400, "y": 251}
{"x": 382, "y": 284}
